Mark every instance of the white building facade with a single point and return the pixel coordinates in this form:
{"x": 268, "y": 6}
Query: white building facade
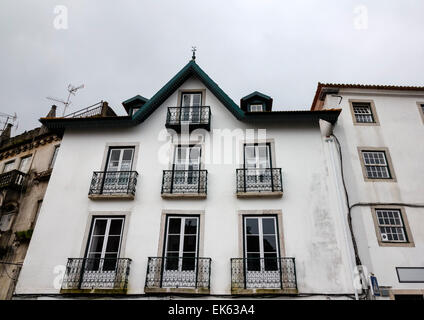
{"x": 380, "y": 132}
{"x": 191, "y": 194}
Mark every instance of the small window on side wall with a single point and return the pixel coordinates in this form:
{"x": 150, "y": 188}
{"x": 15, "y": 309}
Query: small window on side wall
{"x": 376, "y": 164}
{"x": 56, "y": 150}
{"x": 392, "y": 226}
{"x": 363, "y": 113}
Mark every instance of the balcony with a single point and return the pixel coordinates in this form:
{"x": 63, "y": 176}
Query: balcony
{"x": 91, "y": 275}
{"x": 263, "y": 275}
{"x": 184, "y": 184}
{"x": 259, "y": 182}
{"x": 191, "y": 117}
{"x": 178, "y": 274}
{"x": 113, "y": 185}
{"x": 12, "y": 180}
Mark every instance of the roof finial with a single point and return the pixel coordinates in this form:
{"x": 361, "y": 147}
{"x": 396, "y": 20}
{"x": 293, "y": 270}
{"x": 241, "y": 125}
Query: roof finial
{"x": 193, "y": 49}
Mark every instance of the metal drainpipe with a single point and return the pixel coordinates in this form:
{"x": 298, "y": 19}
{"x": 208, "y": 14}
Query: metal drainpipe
{"x": 341, "y": 205}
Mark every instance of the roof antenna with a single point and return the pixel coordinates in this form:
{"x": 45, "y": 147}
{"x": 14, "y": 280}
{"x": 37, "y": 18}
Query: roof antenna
{"x": 193, "y": 49}
{"x": 71, "y": 89}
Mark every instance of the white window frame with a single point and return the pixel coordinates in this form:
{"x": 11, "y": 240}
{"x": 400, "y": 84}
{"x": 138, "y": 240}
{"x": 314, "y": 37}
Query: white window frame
{"x": 182, "y": 218}
{"x": 362, "y": 112}
{"x": 105, "y": 237}
{"x": 256, "y": 107}
{"x": 373, "y": 163}
{"x": 401, "y": 225}
{"x": 261, "y": 235}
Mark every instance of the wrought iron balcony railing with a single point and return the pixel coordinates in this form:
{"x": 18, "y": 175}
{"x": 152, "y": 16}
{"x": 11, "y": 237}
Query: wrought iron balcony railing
{"x": 194, "y": 117}
{"x": 263, "y": 273}
{"x": 92, "y": 273}
{"x": 259, "y": 180}
{"x": 113, "y": 183}
{"x": 178, "y": 272}
{"x": 12, "y": 179}
{"x": 184, "y": 181}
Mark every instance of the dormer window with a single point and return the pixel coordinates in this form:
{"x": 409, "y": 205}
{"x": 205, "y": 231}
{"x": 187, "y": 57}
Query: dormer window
{"x": 256, "y": 108}
{"x": 256, "y": 102}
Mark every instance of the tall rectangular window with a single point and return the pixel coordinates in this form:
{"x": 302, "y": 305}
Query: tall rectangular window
{"x": 56, "y": 150}
{"x": 104, "y": 243}
{"x": 181, "y": 244}
{"x": 391, "y": 225}
{"x": 186, "y": 165}
{"x": 25, "y": 164}
{"x": 261, "y": 243}
{"x": 120, "y": 159}
{"x": 190, "y": 103}
{"x": 376, "y": 165}
{"x": 257, "y": 156}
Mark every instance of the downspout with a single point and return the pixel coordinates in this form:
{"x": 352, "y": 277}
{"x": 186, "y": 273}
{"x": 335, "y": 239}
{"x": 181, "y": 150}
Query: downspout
{"x": 326, "y": 131}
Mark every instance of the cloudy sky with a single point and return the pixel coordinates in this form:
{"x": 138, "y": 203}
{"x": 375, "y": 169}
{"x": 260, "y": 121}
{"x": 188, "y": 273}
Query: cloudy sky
{"x": 118, "y": 49}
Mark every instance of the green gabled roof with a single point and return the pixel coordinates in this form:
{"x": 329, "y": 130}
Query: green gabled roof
{"x": 190, "y": 69}
{"x": 135, "y": 98}
{"x": 256, "y": 93}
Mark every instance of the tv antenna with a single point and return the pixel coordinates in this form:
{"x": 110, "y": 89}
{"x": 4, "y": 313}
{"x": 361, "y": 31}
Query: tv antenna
{"x": 5, "y": 119}
{"x": 72, "y": 90}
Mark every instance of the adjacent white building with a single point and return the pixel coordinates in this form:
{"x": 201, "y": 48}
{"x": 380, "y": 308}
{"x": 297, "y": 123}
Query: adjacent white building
{"x": 194, "y": 194}
{"x": 380, "y": 131}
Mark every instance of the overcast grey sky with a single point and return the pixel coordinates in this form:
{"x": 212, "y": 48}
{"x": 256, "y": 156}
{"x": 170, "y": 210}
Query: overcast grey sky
{"x": 282, "y": 48}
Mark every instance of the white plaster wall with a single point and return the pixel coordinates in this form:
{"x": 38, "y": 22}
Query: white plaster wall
{"x": 401, "y": 130}
{"x": 310, "y": 224}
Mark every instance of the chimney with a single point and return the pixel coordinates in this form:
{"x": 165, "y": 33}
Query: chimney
{"x": 105, "y": 107}
{"x": 52, "y": 112}
{"x": 5, "y": 135}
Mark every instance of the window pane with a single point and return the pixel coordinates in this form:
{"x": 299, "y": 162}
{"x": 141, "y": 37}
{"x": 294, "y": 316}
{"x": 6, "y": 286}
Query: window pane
{"x": 171, "y": 261}
{"x": 174, "y": 225}
{"x": 109, "y": 263}
{"x": 173, "y": 243}
{"x": 93, "y": 262}
{"x": 113, "y": 244}
{"x": 270, "y": 244}
{"x": 127, "y": 154}
{"x": 96, "y": 244}
{"x": 190, "y": 226}
{"x": 253, "y": 262}
{"x": 271, "y": 262}
{"x": 186, "y": 100}
{"x": 197, "y": 99}
{"x": 268, "y": 226}
{"x": 189, "y": 261}
{"x": 115, "y": 227}
{"x": 100, "y": 227}
{"x": 189, "y": 243}
{"x": 252, "y": 243}
{"x": 252, "y": 226}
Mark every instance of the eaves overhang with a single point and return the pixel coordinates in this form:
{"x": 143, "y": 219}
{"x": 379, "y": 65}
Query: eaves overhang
{"x": 56, "y": 124}
{"x": 294, "y": 117}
